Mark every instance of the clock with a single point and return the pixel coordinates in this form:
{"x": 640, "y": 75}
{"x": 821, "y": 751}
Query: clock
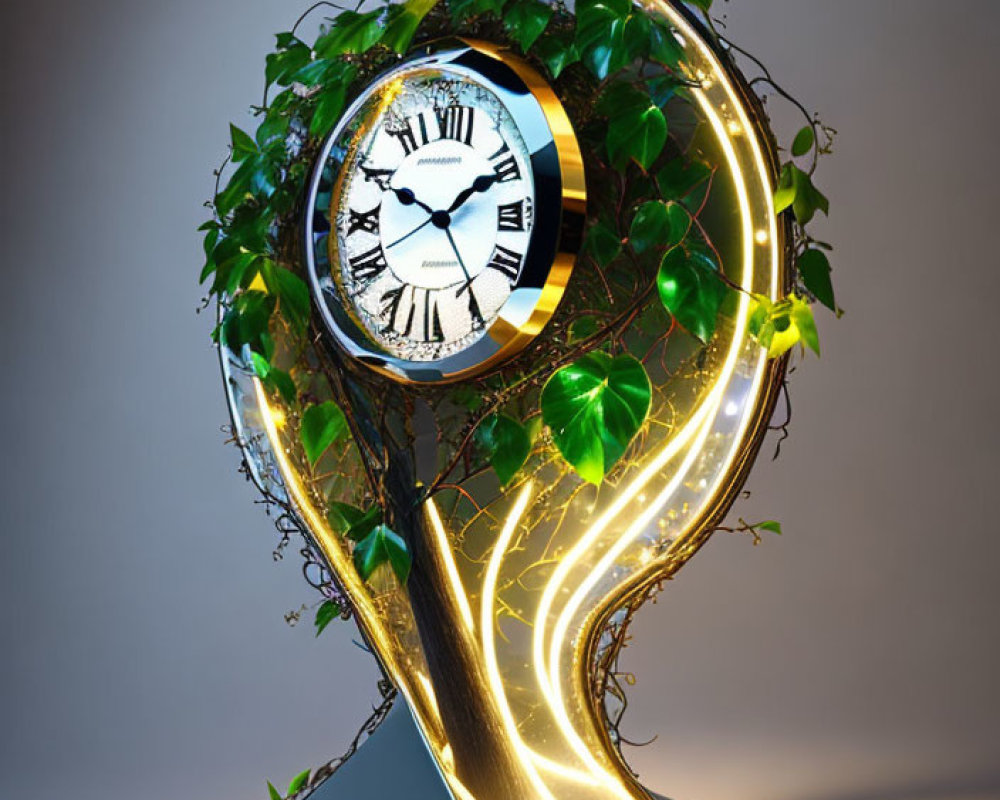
{"x": 444, "y": 214}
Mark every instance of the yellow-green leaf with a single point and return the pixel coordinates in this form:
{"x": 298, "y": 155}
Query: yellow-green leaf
{"x": 594, "y": 408}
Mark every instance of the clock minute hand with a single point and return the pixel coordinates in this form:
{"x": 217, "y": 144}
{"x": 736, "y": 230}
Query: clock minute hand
{"x": 480, "y": 184}
{"x": 408, "y": 198}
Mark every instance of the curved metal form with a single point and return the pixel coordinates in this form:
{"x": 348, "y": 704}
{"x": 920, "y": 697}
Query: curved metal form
{"x": 493, "y": 639}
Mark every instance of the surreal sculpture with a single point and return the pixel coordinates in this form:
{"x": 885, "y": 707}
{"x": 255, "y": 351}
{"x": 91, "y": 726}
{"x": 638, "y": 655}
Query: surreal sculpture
{"x": 504, "y": 296}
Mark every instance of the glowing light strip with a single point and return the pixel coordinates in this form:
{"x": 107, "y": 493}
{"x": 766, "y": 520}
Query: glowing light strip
{"x": 546, "y": 680}
{"x": 451, "y": 568}
{"x": 489, "y": 641}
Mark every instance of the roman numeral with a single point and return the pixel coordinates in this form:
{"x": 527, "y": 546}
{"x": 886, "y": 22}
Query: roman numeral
{"x": 429, "y": 316}
{"x": 455, "y": 122}
{"x": 366, "y": 221}
{"x": 390, "y": 305}
{"x": 380, "y": 177}
{"x": 409, "y": 138}
{"x": 432, "y": 319}
{"x": 507, "y": 262}
{"x": 507, "y": 170}
{"x": 474, "y": 312}
{"x": 510, "y": 216}
{"x": 369, "y": 265}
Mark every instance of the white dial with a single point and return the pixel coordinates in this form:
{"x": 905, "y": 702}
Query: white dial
{"x": 432, "y": 214}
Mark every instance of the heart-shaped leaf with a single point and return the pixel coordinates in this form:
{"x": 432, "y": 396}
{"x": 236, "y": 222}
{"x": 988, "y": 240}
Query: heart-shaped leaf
{"x": 526, "y": 20}
{"x": 382, "y": 546}
{"x": 556, "y": 52}
{"x": 506, "y": 443}
{"x": 600, "y": 32}
{"x": 321, "y": 426}
{"x": 594, "y": 408}
{"x": 691, "y": 291}
{"x": 638, "y": 134}
{"x": 658, "y": 225}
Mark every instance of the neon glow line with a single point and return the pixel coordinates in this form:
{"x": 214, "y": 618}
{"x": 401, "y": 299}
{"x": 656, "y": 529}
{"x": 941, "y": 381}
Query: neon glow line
{"x": 449, "y": 564}
{"x": 489, "y": 642}
{"x": 551, "y": 681}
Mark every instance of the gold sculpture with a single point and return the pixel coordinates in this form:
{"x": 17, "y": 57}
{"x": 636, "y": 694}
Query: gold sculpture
{"x": 495, "y": 641}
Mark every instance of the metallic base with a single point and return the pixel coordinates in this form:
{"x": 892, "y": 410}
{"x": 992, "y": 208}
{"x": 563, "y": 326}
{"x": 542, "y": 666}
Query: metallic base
{"x": 393, "y": 763}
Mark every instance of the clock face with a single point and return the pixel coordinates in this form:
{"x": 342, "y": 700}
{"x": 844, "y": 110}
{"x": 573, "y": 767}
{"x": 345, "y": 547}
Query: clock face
{"x": 437, "y": 215}
{"x": 433, "y": 214}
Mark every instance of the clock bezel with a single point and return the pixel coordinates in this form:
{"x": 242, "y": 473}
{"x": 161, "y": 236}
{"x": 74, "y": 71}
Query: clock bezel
{"x": 559, "y": 207}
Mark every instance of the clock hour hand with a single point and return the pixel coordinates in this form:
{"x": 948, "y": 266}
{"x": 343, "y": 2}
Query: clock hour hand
{"x": 408, "y": 198}
{"x": 480, "y": 184}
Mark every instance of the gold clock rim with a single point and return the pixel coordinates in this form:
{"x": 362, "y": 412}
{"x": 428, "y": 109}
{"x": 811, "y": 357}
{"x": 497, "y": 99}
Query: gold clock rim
{"x": 573, "y": 201}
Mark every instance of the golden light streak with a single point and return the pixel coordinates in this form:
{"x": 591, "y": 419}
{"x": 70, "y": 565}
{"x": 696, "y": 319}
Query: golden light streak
{"x": 441, "y": 537}
{"x": 548, "y": 673}
{"x": 556, "y": 638}
{"x": 489, "y": 641}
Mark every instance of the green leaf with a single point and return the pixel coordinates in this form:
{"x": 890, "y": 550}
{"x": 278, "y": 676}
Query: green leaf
{"x": 327, "y": 111}
{"x": 557, "y": 52}
{"x": 236, "y": 190}
{"x": 402, "y": 22}
{"x": 322, "y": 425}
{"x": 462, "y": 9}
{"x": 802, "y": 318}
{"x": 243, "y": 146}
{"x": 273, "y": 793}
{"x": 294, "y": 302}
{"x": 382, "y": 546}
{"x": 602, "y": 243}
{"x": 351, "y": 521}
{"x": 600, "y": 35}
{"x": 704, "y": 5}
{"x": 583, "y": 328}
{"x": 272, "y": 131}
{"x": 298, "y": 782}
{"x": 680, "y": 177}
{"x": 326, "y": 614}
{"x": 525, "y": 21}
{"x": 778, "y": 327}
{"x": 506, "y": 443}
{"x": 351, "y": 33}
{"x": 637, "y": 134}
{"x": 246, "y": 323}
{"x": 768, "y": 525}
{"x": 636, "y": 37}
{"x": 274, "y": 379}
{"x": 796, "y": 190}
{"x": 814, "y": 267}
{"x": 287, "y": 61}
{"x": 691, "y": 292}
{"x": 660, "y": 225}
{"x": 804, "y": 141}
{"x": 594, "y": 408}
{"x": 230, "y": 273}
{"x": 664, "y": 46}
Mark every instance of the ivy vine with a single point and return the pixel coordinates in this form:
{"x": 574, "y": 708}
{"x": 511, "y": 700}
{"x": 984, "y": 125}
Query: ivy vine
{"x": 647, "y": 260}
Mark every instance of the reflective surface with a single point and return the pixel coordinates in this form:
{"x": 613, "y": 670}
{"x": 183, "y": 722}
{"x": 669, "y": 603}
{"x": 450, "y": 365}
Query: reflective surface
{"x": 494, "y": 639}
{"x": 444, "y": 215}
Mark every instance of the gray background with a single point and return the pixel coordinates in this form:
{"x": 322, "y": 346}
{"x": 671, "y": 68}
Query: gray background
{"x": 143, "y": 648}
